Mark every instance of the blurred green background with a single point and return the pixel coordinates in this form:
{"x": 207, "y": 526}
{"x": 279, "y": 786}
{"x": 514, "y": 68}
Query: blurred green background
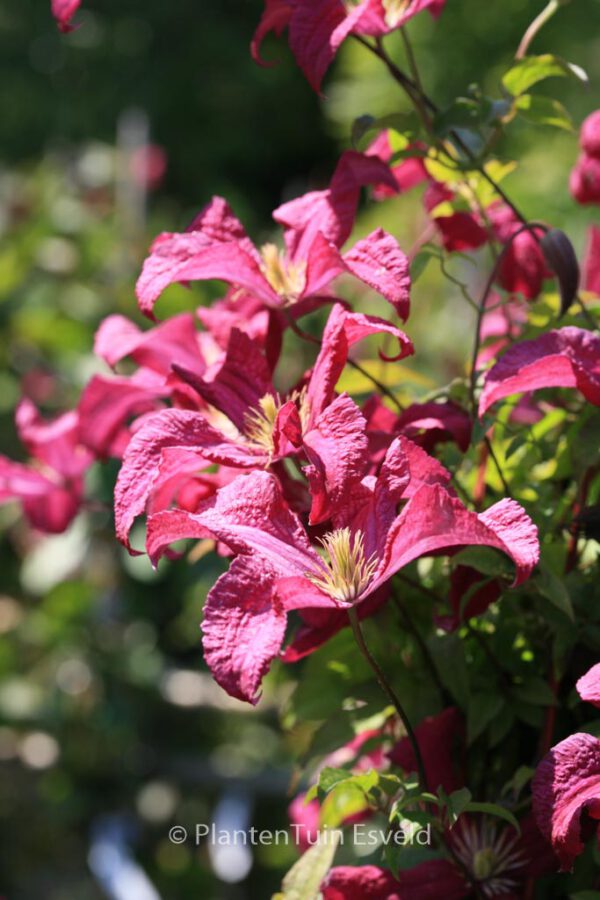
{"x": 110, "y": 729}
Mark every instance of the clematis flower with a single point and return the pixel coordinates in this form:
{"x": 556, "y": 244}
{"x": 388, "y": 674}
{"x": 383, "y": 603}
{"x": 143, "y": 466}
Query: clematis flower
{"x": 317, "y": 28}
{"x": 591, "y": 265}
{"x": 566, "y": 795}
{"x": 254, "y": 426}
{"x": 589, "y": 136}
{"x": 298, "y": 278}
{"x": 427, "y": 881}
{"x": 63, "y": 11}
{"x": 50, "y": 488}
{"x": 442, "y": 766}
{"x": 588, "y": 686}
{"x": 584, "y": 181}
{"x": 568, "y": 357}
{"x": 277, "y": 569}
{"x": 523, "y": 268}
{"x": 109, "y": 403}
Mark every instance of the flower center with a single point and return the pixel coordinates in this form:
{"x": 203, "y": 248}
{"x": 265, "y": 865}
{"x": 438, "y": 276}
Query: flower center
{"x": 493, "y": 857}
{"x": 259, "y": 423}
{"x": 346, "y": 571}
{"x": 394, "y": 11}
{"x": 286, "y": 278}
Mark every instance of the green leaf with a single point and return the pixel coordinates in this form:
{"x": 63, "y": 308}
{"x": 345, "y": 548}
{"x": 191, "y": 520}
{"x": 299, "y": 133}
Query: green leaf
{"x": 554, "y": 589}
{"x": 533, "y": 69}
{"x": 544, "y": 111}
{"x": 303, "y": 881}
{"x": 457, "y": 803}
{"x": 536, "y": 692}
{"x": 482, "y": 709}
{"x": 493, "y": 809}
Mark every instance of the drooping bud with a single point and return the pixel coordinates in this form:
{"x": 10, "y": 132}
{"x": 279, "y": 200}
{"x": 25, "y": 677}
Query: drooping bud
{"x": 561, "y": 258}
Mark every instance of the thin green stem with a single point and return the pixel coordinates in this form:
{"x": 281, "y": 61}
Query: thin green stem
{"x": 389, "y": 692}
{"x": 420, "y": 640}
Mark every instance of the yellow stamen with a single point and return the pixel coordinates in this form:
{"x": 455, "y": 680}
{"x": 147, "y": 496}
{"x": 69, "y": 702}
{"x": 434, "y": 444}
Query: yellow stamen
{"x": 286, "y": 278}
{"x": 346, "y": 572}
{"x": 258, "y": 423}
{"x": 394, "y": 11}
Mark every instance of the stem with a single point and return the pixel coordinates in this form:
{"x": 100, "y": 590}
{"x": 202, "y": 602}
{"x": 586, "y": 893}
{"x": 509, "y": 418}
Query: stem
{"x": 494, "y": 459}
{"x": 537, "y": 25}
{"x": 429, "y": 661}
{"x": 390, "y": 693}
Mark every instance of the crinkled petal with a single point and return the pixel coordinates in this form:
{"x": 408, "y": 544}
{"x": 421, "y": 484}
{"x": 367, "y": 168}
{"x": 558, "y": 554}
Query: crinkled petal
{"x": 316, "y": 30}
{"x": 433, "y": 521}
{"x": 336, "y": 447}
{"x": 235, "y": 385}
{"x": 437, "y": 879}
{"x": 141, "y": 463}
{"x": 331, "y": 212}
{"x": 588, "y": 687}
{"x": 342, "y": 331}
{"x": 243, "y": 628}
{"x": 107, "y": 405}
{"x": 379, "y": 262}
{"x": 173, "y": 341}
{"x": 568, "y": 357}
{"x": 49, "y": 506}
{"x": 566, "y": 785}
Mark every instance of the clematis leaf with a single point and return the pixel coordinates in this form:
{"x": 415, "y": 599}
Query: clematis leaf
{"x": 530, "y": 71}
{"x": 303, "y": 881}
{"x": 544, "y": 111}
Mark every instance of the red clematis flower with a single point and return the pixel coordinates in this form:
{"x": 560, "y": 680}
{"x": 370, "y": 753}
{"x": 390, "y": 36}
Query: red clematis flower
{"x": 63, "y": 11}
{"x": 568, "y": 357}
{"x": 278, "y": 570}
{"x": 316, "y": 225}
{"x": 591, "y": 265}
{"x": 260, "y": 425}
{"x": 566, "y": 795}
{"x": 588, "y": 687}
{"x": 50, "y": 488}
{"x": 317, "y": 28}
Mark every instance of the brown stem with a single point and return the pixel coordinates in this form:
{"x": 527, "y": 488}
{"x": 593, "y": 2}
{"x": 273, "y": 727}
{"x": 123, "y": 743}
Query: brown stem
{"x": 390, "y": 693}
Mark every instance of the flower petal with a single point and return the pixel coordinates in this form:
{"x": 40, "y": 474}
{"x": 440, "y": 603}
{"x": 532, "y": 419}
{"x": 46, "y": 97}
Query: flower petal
{"x": 565, "y": 786}
{"x": 379, "y": 262}
{"x": 428, "y": 881}
{"x": 63, "y": 11}
{"x": 173, "y": 341}
{"x": 569, "y": 357}
{"x": 438, "y": 738}
{"x": 588, "y": 687}
{"x": 242, "y": 628}
{"x": 591, "y": 269}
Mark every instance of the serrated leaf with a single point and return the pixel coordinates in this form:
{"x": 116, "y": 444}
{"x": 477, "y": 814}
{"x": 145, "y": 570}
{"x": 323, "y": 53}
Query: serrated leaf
{"x": 544, "y": 111}
{"x": 304, "y": 879}
{"x": 533, "y": 69}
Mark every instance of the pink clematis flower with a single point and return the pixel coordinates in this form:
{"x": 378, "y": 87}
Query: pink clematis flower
{"x": 568, "y": 357}
{"x": 50, "y": 488}
{"x": 108, "y": 403}
{"x": 261, "y": 427}
{"x": 317, "y": 28}
{"x": 278, "y": 570}
{"x": 566, "y": 795}
{"x": 588, "y": 686}
{"x": 427, "y": 881}
{"x": 591, "y": 265}
{"x": 63, "y": 11}
{"x": 585, "y": 177}
{"x": 216, "y": 246}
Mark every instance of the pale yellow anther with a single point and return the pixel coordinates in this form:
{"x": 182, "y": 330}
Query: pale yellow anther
{"x": 347, "y": 572}
{"x": 394, "y": 11}
{"x": 286, "y": 278}
{"x": 259, "y": 423}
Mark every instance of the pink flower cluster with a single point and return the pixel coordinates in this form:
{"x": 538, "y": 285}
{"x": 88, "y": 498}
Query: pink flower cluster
{"x": 585, "y": 177}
